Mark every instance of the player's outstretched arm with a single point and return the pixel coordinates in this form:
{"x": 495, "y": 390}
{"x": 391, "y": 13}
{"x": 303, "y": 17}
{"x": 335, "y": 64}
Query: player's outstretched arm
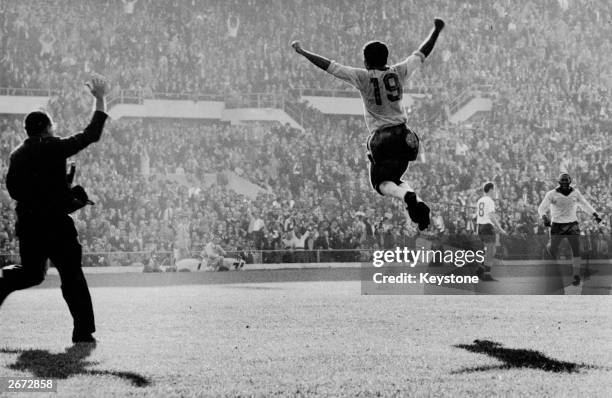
{"x": 316, "y": 59}
{"x": 427, "y": 47}
{"x": 588, "y": 208}
{"x": 98, "y": 86}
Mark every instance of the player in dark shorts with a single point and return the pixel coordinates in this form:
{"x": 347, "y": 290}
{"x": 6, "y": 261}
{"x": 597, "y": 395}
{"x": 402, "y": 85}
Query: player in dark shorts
{"x": 390, "y": 150}
{"x": 486, "y": 233}
{"x": 560, "y": 231}
{"x": 562, "y": 203}
{"x": 391, "y": 145}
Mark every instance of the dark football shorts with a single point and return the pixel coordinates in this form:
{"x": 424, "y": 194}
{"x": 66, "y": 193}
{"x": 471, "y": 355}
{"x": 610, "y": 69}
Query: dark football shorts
{"x": 486, "y": 233}
{"x": 560, "y": 231}
{"x": 390, "y": 149}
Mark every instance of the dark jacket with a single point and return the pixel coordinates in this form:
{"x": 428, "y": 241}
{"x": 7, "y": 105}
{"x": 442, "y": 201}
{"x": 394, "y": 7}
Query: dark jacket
{"x": 36, "y": 176}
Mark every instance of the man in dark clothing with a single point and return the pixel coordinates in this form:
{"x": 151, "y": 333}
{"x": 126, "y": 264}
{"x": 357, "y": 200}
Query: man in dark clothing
{"x": 37, "y": 180}
{"x": 322, "y": 240}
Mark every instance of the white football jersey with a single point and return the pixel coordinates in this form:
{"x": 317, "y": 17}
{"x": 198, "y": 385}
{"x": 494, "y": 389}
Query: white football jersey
{"x": 381, "y": 90}
{"x": 563, "y": 208}
{"x": 484, "y": 207}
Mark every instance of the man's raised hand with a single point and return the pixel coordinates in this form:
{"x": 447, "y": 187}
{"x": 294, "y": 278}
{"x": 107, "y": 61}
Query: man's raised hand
{"x": 297, "y": 46}
{"x": 98, "y": 86}
{"x": 439, "y": 24}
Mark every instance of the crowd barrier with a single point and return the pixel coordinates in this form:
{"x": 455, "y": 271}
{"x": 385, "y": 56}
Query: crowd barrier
{"x": 509, "y": 248}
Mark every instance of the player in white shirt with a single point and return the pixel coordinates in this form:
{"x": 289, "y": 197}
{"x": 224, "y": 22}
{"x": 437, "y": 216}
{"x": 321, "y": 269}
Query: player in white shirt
{"x": 487, "y": 223}
{"x": 391, "y": 145}
{"x": 563, "y": 202}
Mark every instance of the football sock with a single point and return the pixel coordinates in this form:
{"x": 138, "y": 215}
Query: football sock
{"x": 410, "y": 198}
{"x": 408, "y": 187}
{"x": 389, "y": 188}
{"x": 576, "y": 265}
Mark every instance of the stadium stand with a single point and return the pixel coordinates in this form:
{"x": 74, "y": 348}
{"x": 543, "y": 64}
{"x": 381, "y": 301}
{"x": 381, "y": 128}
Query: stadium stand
{"x": 550, "y": 87}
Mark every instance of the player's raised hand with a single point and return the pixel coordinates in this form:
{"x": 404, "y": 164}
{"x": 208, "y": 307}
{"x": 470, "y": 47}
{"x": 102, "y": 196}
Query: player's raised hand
{"x": 98, "y": 85}
{"x": 297, "y": 46}
{"x": 439, "y": 23}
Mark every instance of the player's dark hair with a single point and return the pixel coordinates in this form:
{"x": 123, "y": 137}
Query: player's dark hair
{"x": 35, "y": 123}
{"x": 566, "y": 177}
{"x": 488, "y": 186}
{"x": 375, "y": 54}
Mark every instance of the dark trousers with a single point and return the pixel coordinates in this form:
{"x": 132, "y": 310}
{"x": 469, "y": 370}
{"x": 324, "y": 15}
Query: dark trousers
{"x": 54, "y": 238}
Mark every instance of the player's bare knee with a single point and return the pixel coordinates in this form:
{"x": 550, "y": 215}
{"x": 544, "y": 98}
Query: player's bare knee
{"x": 385, "y": 185}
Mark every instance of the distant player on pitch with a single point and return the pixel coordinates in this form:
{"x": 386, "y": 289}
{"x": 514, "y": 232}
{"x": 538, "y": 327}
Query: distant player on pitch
{"x": 392, "y": 145}
{"x": 562, "y": 202}
{"x": 487, "y": 223}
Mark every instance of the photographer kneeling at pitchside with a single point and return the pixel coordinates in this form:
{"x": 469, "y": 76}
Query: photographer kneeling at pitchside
{"x": 37, "y": 180}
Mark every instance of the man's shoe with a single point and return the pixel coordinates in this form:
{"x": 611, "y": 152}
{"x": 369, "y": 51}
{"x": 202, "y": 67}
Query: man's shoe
{"x": 418, "y": 211}
{"x": 574, "y": 288}
{"x": 86, "y": 338}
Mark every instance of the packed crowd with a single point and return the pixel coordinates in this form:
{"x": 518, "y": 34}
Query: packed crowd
{"x": 151, "y": 179}
{"x": 535, "y": 59}
{"x": 175, "y": 46}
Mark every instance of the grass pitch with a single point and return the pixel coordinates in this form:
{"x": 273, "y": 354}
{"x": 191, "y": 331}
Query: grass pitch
{"x": 311, "y": 339}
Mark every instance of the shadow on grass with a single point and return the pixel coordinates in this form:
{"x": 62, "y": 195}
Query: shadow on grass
{"x": 70, "y": 363}
{"x": 517, "y": 358}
